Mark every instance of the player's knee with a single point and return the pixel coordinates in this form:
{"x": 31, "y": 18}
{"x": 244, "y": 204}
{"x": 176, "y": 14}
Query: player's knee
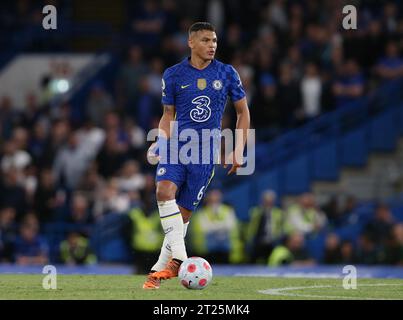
{"x": 164, "y": 194}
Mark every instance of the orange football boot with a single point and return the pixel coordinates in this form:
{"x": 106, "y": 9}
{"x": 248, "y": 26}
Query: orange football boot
{"x": 171, "y": 270}
{"x": 151, "y": 282}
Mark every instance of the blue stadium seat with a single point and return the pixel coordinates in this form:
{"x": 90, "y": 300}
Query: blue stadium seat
{"x": 383, "y": 133}
{"x": 354, "y": 147}
{"x": 297, "y": 175}
{"x": 325, "y": 161}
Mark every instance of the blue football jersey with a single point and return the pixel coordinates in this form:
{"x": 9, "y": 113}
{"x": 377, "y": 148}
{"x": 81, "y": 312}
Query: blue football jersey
{"x": 199, "y": 96}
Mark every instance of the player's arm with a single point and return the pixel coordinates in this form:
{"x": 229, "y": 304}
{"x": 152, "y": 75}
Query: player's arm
{"x": 168, "y": 116}
{"x": 164, "y": 133}
{"x": 242, "y": 126}
{"x": 164, "y": 130}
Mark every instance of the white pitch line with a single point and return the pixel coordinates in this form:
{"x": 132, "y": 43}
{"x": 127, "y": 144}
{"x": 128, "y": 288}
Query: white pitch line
{"x": 279, "y": 291}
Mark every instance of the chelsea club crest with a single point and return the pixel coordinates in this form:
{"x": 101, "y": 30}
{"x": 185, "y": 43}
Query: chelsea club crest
{"x": 161, "y": 171}
{"x": 217, "y": 84}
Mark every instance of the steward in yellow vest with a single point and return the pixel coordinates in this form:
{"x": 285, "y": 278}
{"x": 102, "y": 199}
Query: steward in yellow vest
{"x": 146, "y": 238}
{"x": 214, "y": 232}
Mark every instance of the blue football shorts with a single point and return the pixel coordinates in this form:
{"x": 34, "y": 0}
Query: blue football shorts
{"x": 192, "y": 181}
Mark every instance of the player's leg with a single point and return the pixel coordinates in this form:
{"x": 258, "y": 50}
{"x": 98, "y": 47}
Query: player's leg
{"x": 173, "y": 225}
{"x": 186, "y": 202}
{"x": 166, "y": 252}
{"x": 169, "y": 178}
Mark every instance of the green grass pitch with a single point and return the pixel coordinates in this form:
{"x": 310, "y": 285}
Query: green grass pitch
{"x": 99, "y": 287}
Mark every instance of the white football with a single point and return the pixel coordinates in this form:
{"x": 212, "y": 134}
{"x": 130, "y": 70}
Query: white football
{"x": 195, "y": 273}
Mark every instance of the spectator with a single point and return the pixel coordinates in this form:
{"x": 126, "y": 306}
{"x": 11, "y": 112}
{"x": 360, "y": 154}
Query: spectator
{"x": 20, "y": 138}
{"x": 30, "y": 248}
{"x": 148, "y": 23}
{"x": 29, "y": 182}
{"x": 390, "y": 66}
{"x": 332, "y": 250}
{"x": 91, "y": 184}
{"x": 390, "y": 17}
{"x": 37, "y": 141}
{"x": 267, "y": 114}
{"x": 277, "y": 15}
{"x": 232, "y": 40}
{"x": 288, "y": 95}
{"x": 145, "y": 237}
{"x": 265, "y": 228}
{"x": 179, "y": 40}
{"x": 349, "y": 85}
{"x": 137, "y": 136}
{"x": 147, "y": 194}
{"x": 348, "y": 252}
{"x": 311, "y": 92}
{"x": 332, "y": 211}
{"x": 336, "y": 61}
{"x": 71, "y": 162}
{"x": 129, "y": 78}
{"x": 59, "y": 134}
{"x": 305, "y": 217}
{"x": 13, "y": 157}
{"x": 373, "y": 44}
{"x": 394, "y": 246}
{"x": 215, "y": 231}
{"x": 368, "y": 252}
{"x": 112, "y": 122}
{"x": 341, "y": 216}
{"x": 131, "y": 178}
{"x": 90, "y": 139}
{"x": 292, "y": 252}
{"x": 155, "y": 75}
{"x": 80, "y": 215}
{"x": 8, "y": 117}
{"x": 31, "y": 113}
{"x": 379, "y": 228}
{"x": 112, "y": 155}
{"x": 295, "y": 62}
{"x": 46, "y": 198}
{"x": 75, "y": 250}
{"x": 111, "y": 201}
{"x": 147, "y": 106}
{"x": 99, "y": 103}
{"x": 350, "y": 205}
{"x": 12, "y": 194}
{"x": 8, "y": 234}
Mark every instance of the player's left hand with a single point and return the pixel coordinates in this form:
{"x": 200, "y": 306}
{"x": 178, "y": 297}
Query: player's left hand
{"x": 232, "y": 159}
{"x": 152, "y": 156}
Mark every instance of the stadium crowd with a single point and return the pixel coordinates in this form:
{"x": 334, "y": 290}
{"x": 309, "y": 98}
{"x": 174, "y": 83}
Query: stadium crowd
{"x": 295, "y": 62}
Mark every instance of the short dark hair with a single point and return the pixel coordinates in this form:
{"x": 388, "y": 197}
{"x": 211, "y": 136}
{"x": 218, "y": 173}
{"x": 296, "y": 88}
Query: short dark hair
{"x": 197, "y": 26}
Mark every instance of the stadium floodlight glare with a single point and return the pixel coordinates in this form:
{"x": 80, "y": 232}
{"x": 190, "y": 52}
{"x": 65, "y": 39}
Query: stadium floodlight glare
{"x": 59, "y": 86}
{"x": 62, "y": 85}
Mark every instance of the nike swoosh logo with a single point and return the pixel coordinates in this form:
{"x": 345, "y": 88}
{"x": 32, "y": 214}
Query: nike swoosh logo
{"x": 183, "y": 87}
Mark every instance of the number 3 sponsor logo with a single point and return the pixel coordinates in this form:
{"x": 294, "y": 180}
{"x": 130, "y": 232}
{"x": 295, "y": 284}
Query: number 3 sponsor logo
{"x": 202, "y": 111}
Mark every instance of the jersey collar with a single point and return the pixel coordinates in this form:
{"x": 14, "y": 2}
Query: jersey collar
{"x": 186, "y": 62}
